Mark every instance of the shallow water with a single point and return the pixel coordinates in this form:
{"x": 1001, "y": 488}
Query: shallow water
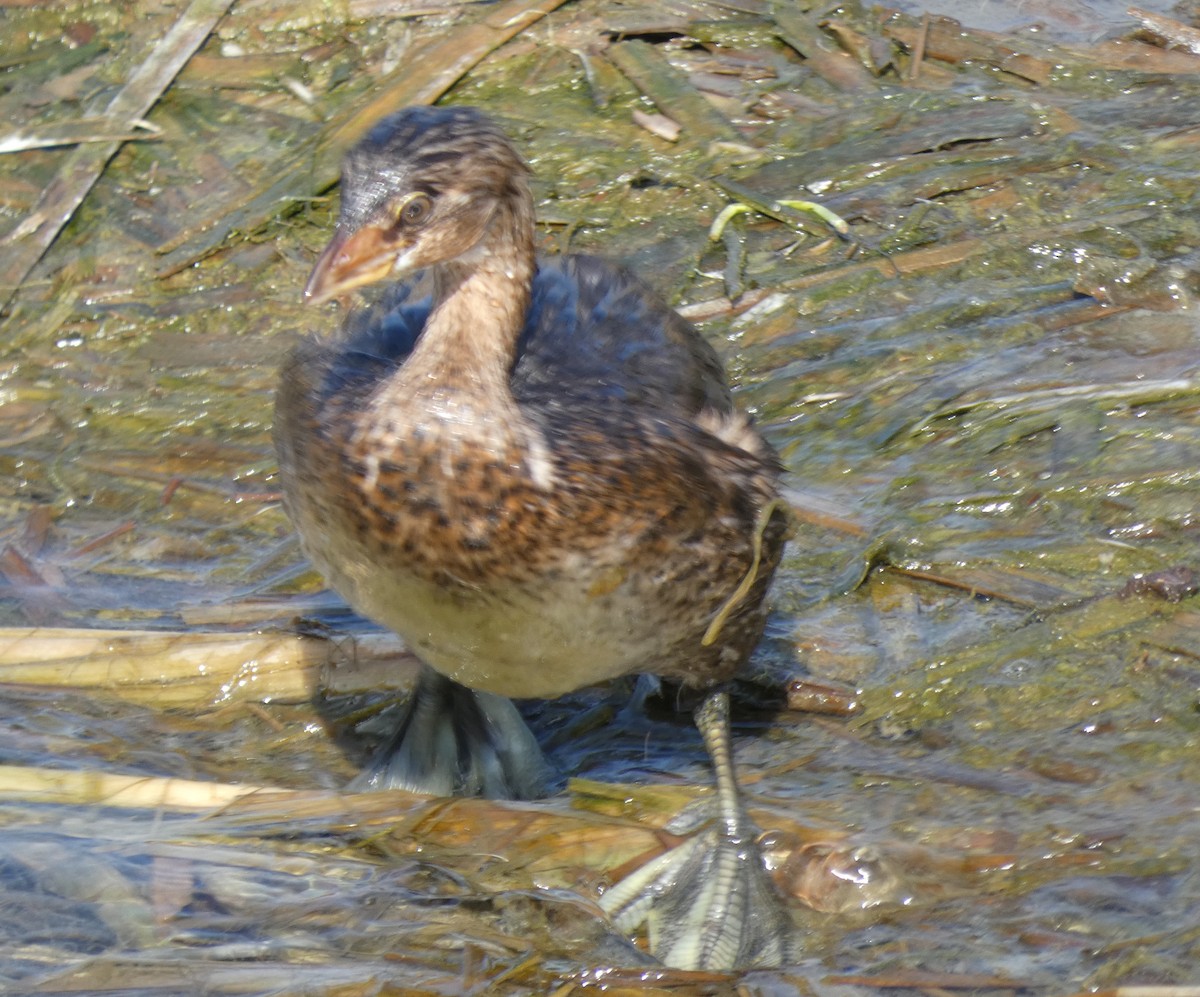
{"x": 1077, "y": 21}
{"x": 987, "y": 401}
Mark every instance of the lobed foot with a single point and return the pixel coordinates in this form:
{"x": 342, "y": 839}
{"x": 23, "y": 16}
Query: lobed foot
{"x": 455, "y": 741}
{"x": 709, "y": 902}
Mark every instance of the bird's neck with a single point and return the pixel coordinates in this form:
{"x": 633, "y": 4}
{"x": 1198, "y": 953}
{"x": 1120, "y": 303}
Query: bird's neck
{"x": 479, "y": 305}
{"x": 454, "y": 388}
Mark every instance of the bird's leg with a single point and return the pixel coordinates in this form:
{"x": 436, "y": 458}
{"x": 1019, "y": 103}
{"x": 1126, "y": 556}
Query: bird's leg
{"x": 456, "y": 741}
{"x": 709, "y": 902}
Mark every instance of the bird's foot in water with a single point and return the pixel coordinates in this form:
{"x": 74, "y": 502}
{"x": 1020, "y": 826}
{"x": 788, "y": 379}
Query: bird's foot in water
{"x": 455, "y": 741}
{"x": 709, "y": 902}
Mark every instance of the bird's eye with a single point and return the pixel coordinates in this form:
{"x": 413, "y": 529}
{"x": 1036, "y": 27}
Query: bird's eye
{"x": 415, "y": 210}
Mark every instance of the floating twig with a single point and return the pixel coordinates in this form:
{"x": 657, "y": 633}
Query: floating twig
{"x": 76, "y": 133}
{"x": 190, "y": 669}
{"x": 836, "y": 67}
{"x": 62, "y": 786}
{"x": 671, "y": 93}
{"x": 1175, "y": 32}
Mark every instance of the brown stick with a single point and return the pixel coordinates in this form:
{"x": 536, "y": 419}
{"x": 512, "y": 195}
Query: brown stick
{"x": 835, "y": 67}
{"x": 918, "y": 55}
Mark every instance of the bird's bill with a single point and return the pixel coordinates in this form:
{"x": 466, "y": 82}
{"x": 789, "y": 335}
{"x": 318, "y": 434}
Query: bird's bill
{"x": 352, "y": 259}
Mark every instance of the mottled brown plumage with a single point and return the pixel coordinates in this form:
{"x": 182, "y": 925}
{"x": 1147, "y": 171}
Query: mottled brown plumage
{"x": 534, "y": 474}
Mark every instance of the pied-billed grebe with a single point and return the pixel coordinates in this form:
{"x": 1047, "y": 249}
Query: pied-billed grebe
{"x": 533, "y": 472}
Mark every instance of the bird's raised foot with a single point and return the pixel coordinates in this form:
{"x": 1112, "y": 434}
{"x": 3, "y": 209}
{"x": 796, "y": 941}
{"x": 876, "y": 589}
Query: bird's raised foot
{"x": 708, "y": 903}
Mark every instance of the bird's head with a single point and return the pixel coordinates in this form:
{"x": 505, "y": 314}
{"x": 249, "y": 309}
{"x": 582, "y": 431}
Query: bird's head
{"x": 419, "y": 190}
